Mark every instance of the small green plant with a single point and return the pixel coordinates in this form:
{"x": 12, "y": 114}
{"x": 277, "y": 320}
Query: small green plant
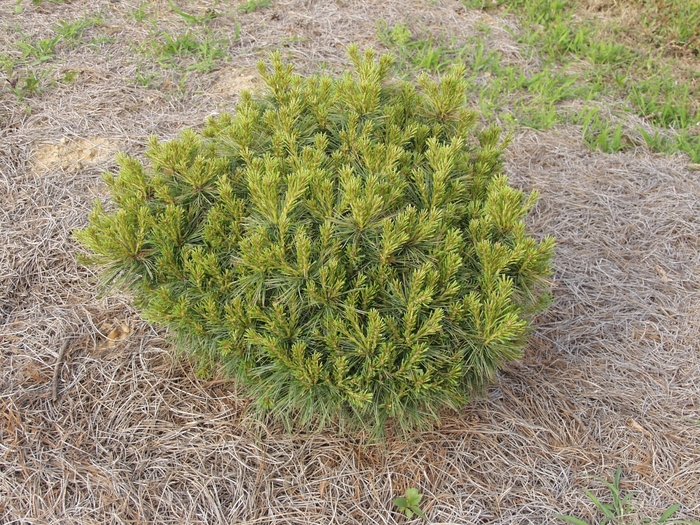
{"x": 483, "y": 59}
{"x": 177, "y": 46}
{"x": 667, "y": 142}
{"x": 349, "y": 249}
{"x": 72, "y": 31}
{"x": 665, "y": 103}
{"x": 23, "y": 82}
{"x": 620, "y": 509}
{"x": 657, "y": 141}
{"x": 7, "y": 64}
{"x": 409, "y": 504}
{"x": 537, "y": 114}
{"x": 689, "y": 144}
{"x": 42, "y": 50}
{"x": 70, "y": 76}
{"x": 146, "y": 79}
{"x": 208, "y": 55}
{"x": 253, "y": 5}
{"x": 399, "y": 35}
{"x": 550, "y": 86}
{"x": 140, "y": 14}
{"x": 191, "y": 19}
{"x": 26, "y": 84}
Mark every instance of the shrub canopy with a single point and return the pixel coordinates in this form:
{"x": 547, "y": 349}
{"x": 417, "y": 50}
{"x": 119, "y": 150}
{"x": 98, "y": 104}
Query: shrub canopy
{"x": 347, "y": 248}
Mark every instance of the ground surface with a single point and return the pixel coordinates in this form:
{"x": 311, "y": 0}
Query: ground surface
{"x": 100, "y": 424}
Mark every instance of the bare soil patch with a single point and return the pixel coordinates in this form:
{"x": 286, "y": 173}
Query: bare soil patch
{"x": 132, "y": 436}
{"x": 73, "y": 155}
{"x": 230, "y": 83}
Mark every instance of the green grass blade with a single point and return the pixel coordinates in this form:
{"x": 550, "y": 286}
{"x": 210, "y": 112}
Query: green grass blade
{"x": 571, "y": 519}
{"x": 669, "y": 512}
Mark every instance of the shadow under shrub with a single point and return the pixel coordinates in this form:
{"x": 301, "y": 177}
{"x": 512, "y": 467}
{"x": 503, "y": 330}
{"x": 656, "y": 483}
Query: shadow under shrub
{"x": 347, "y": 248}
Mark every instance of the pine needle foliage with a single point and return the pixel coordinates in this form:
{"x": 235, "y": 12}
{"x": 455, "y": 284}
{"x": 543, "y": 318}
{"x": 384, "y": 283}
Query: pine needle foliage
{"x": 348, "y": 249}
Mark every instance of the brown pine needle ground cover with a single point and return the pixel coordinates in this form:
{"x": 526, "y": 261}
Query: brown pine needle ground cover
{"x": 99, "y": 423}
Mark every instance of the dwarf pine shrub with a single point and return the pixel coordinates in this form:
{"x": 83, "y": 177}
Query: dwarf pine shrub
{"x": 348, "y": 248}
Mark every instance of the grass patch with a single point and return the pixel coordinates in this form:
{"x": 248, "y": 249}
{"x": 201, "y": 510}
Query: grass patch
{"x": 620, "y": 508}
{"x": 72, "y": 32}
{"x": 253, "y": 5}
{"x": 39, "y": 51}
{"x": 192, "y": 19}
{"x": 672, "y": 25}
{"x": 171, "y": 56}
{"x": 507, "y": 93}
{"x": 418, "y": 51}
{"x": 24, "y": 66}
{"x": 188, "y": 51}
{"x": 142, "y": 12}
{"x": 27, "y": 84}
{"x": 603, "y": 134}
{"x": 623, "y": 66}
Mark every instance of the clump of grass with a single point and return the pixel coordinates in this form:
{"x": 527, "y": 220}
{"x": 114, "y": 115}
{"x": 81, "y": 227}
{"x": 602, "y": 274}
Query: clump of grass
{"x": 192, "y": 19}
{"x": 26, "y": 84}
{"x": 39, "y": 51}
{"x": 602, "y": 134}
{"x": 140, "y": 14}
{"x": 665, "y": 102}
{"x": 172, "y": 56}
{"x": 253, "y": 5}
{"x": 72, "y": 32}
{"x": 620, "y": 510}
{"x": 189, "y": 51}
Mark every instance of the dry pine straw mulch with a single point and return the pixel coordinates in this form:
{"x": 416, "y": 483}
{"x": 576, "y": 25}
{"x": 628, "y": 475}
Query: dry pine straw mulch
{"x": 99, "y": 423}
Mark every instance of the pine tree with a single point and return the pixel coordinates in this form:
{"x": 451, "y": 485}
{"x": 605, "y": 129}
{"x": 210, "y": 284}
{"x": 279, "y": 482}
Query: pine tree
{"x": 348, "y": 249}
